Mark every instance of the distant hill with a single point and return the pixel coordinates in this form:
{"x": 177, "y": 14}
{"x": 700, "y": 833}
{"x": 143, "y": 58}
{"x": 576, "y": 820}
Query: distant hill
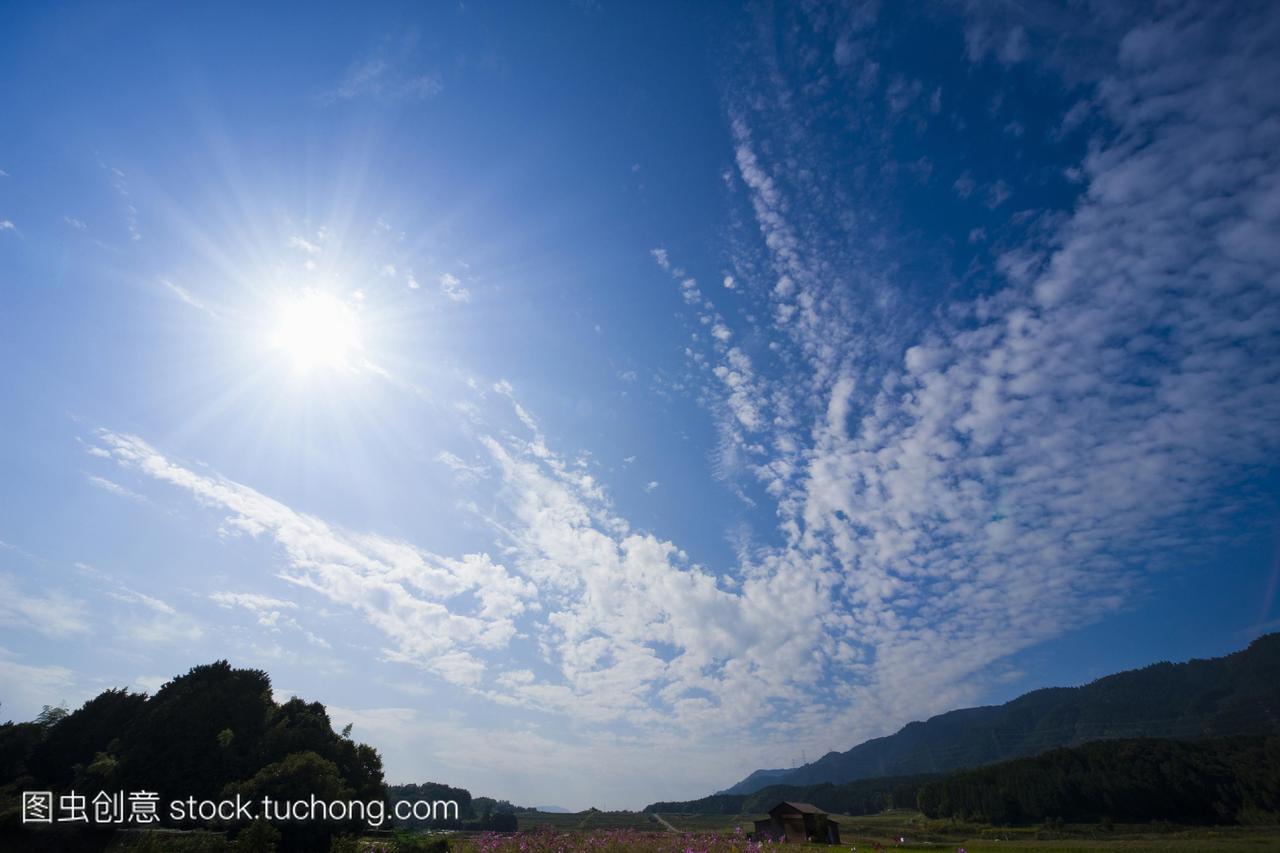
{"x": 1232, "y": 695}
{"x": 552, "y": 810}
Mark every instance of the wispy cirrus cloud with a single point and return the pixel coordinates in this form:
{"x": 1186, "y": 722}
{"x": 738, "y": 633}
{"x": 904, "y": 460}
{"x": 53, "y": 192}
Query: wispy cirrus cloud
{"x": 400, "y": 589}
{"x": 52, "y": 613}
{"x": 188, "y": 297}
{"x": 392, "y": 74}
{"x": 271, "y": 613}
{"x": 28, "y": 685}
{"x": 113, "y": 487}
{"x": 146, "y": 620}
{"x": 120, "y": 184}
{"x": 461, "y": 469}
{"x": 633, "y": 631}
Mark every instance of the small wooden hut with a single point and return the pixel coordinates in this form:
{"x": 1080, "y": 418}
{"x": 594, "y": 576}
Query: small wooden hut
{"x": 798, "y": 823}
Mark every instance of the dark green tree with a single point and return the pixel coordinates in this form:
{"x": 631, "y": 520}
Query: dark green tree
{"x": 177, "y": 746}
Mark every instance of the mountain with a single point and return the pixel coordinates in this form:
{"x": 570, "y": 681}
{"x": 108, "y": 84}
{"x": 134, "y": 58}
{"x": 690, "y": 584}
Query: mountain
{"x": 1236, "y": 694}
{"x": 552, "y": 810}
{"x": 1227, "y": 780}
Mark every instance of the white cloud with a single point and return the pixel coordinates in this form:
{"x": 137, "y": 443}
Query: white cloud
{"x": 252, "y": 602}
{"x": 304, "y": 245}
{"x": 148, "y": 601}
{"x": 388, "y": 76}
{"x": 121, "y": 186}
{"x": 901, "y": 94}
{"x": 27, "y": 688}
{"x": 53, "y": 614}
{"x": 151, "y": 683}
{"x": 9, "y": 546}
{"x": 997, "y": 194}
{"x": 160, "y": 630}
{"x": 452, "y": 288}
{"x": 187, "y": 297}
{"x": 1015, "y": 46}
{"x": 1036, "y": 447}
{"x": 404, "y": 591}
{"x": 1010, "y": 46}
{"x": 113, "y": 487}
{"x": 270, "y": 613}
{"x": 460, "y": 468}
{"x": 120, "y": 592}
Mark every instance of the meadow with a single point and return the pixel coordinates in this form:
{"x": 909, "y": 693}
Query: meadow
{"x": 638, "y": 832}
{"x": 632, "y": 832}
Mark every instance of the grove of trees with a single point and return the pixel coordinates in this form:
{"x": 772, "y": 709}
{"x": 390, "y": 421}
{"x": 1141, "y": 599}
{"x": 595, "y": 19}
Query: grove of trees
{"x": 209, "y": 734}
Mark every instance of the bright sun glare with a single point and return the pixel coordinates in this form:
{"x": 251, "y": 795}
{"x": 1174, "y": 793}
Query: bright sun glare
{"x": 316, "y": 330}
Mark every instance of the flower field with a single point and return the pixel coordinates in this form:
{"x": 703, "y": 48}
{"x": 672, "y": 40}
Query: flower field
{"x": 614, "y": 841}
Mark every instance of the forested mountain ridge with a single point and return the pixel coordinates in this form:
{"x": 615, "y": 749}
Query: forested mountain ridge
{"x": 1210, "y": 781}
{"x": 1228, "y": 780}
{"x": 1235, "y": 694}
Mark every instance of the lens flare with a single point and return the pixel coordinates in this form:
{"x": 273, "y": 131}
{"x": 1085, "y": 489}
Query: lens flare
{"x": 317, "y": 331}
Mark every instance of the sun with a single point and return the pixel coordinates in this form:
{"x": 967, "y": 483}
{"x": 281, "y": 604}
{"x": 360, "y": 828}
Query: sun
{"x": 317, "y": 331}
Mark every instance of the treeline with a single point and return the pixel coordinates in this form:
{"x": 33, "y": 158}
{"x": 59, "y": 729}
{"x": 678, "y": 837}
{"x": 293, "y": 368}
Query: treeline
{"x": 865, "y": 796}
{"x": 209, "y": 734}
{"x": 1217, "y": 781}
{"x": 474, "y": 813}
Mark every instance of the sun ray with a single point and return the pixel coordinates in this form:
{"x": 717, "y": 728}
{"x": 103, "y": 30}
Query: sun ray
{"x": 316, "y": 330}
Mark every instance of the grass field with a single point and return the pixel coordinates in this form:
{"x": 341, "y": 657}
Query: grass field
{"x": 636, "y": 832}
{"x": 623, "y": 832}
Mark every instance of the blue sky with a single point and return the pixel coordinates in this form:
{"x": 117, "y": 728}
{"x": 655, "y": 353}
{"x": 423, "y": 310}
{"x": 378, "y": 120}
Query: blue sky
{"x": 595, "y": 402}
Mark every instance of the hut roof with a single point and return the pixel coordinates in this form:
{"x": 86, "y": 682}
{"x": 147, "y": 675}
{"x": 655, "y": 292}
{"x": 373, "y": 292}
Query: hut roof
{"x": 802, "y": 808}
